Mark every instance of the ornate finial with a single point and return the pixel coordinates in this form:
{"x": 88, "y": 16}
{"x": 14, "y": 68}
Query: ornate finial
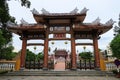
{"x": 10, "y": 24}
{"x": 74, "y": 11}
{"x": 84, "y": 10}
{"x": 44, "y": 11}
{"x": 23, "y": 22}
{"x": 34, "y": 11}
{"x": 110, "y": 22}
{"x": 96, "y": 21}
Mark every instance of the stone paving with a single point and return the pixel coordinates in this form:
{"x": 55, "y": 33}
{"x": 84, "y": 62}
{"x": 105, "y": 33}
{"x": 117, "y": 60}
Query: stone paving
{"x": 59, "y": 66}
{"x": 57, "y": 78}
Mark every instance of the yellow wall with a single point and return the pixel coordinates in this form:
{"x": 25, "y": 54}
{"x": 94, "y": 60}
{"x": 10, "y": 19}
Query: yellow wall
{"x": 17, "y": 66}
{"x": 102, "y": 62}
{"x": 17, "y": 59}
{"x": 102, "y": 65}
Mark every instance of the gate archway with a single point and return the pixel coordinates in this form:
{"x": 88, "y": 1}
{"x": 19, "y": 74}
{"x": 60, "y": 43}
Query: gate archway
{"x": 60, "y": 24}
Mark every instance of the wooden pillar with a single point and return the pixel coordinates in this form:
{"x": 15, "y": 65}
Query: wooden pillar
{"x": 96, "y": 50}
{"x": 23, "y": 54}
{"x": 73, "y": 51}
{"x": 45, "y": 65}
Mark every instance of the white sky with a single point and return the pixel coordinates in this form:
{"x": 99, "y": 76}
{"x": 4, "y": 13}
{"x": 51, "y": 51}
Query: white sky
{"x": 104, "y": 9}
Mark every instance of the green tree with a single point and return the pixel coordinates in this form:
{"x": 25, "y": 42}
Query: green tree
{"x": 86, "y": 55}
{"x": 2, "y": 40}
{"x": 40, "y": 56}
{"x": 117, "y": 28}
{"x": 25, "y": 3}
{"x": 30, "y": 56}
{"x": 115, "y": 46}
{"x": 115, "y": 43}
{"x": 5, "y": 35}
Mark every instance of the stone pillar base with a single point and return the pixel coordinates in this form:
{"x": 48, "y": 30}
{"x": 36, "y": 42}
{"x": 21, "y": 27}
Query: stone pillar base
{"x": 73, "y": 69}
{"x": 45, "y": 69}
{"x": 22, "y": 69}
{"x": 97, "y": 69}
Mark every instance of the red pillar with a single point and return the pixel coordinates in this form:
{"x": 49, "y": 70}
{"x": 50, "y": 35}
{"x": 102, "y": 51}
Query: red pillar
{"x": 45, "y": 65}
{"x": 23, "y": 53}
{"x": 96, "y": 51}
{"x": 73, "y": 51}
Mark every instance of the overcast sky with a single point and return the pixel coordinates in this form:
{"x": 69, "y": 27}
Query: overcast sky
{"x": 104, "y": 9}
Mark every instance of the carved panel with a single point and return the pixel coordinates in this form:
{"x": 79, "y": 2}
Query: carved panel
{"x": 36, "y": 36}
{"x": 59, "y": 36}
{"x": 83, "y": 36}
{"x": 59, "y": 28}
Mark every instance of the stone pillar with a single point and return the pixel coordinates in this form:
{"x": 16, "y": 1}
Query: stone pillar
{"x": 23, "y": 54}
{"x": 96, "y": 51}
{"x": 45, "y": 65}
{"x": 73, "y": 52}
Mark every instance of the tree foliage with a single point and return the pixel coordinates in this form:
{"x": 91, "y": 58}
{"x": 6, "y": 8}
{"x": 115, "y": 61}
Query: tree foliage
{"x": 117, "y": 28}
{"x": 115, "y": 46}
{"x": 25, "y": 3}
{"x": 40, "y": 56}
{"x": 30, "y": 56}
{"x": 86, "y": 55}
{"x": 5, "y": 35}
{"x": 115, "y": 43}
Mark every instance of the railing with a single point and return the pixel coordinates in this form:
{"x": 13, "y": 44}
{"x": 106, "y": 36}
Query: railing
{"x": 7, "y": 65}
{"x": 34, "y": 64}
{"x": 82, "y": 64}
{"x": 86, "y": 64}
{"x": 38, "y": 65}
{"x": 110, "y": 66}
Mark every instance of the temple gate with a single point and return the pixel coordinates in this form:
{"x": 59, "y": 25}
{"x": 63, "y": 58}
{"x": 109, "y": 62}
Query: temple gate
{"x": 60, "y": 24}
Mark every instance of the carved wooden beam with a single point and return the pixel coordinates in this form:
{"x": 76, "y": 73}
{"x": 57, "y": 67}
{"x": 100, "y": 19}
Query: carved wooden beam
{"x": 35, "y": 44}
{"x": 77, "y": 44}
{"x": 59, "y": 39}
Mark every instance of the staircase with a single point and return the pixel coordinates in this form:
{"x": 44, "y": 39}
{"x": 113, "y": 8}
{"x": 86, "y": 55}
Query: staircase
{"x": 58, "y": 73}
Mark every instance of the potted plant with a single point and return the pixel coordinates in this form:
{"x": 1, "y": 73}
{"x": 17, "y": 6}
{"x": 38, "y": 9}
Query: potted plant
{"x": 117, "y": 74}
{"x": 117, "y": 71}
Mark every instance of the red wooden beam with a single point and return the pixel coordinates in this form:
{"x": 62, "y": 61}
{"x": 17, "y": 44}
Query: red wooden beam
{"x": 77, "y": 44}
{"x": 35, "y": 44}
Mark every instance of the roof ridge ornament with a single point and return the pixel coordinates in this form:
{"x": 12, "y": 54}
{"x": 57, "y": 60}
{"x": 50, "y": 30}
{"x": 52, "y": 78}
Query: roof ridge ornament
{"x": 10, "y": 24}
{"x": 74, "y": 11}
{"x": 34, "y": 11}
{"x": 44, "y": 11}
{"x": 96, "y": 21}
{"x": 109, "y": 22}
{"x": 23, "y": 22}
{"x": 84, "y": 10}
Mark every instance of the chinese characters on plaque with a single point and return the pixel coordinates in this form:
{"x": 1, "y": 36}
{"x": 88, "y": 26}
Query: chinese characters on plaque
{"x": 58, "y": 31}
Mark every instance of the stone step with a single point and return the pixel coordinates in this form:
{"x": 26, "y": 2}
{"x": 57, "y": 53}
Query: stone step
{"x": 58, "y": 73}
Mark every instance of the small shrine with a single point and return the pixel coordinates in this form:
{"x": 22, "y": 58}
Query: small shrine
{"x": 61, "y": 53}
